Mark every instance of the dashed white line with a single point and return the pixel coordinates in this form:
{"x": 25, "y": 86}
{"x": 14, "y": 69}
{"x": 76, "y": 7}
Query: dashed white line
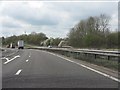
{"x": 30, "y": 55}
{"x": 99, "y": 72}
{"x": 27, "y": 60}
{"x": 18, "y": 72}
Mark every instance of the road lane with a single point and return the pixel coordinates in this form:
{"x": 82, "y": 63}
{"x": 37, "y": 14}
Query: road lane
{"x": 9, "y": 69}
{"x": 46, "y": 70}
{"x": 9, "y": 52}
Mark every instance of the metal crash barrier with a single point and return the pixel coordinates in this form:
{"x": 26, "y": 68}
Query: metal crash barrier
{"x": 103, "y": 58}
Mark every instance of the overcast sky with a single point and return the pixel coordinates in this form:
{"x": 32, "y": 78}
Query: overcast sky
{"x": 52, "y": 18}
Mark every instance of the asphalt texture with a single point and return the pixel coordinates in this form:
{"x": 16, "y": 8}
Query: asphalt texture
{"x": 39, "y": 69}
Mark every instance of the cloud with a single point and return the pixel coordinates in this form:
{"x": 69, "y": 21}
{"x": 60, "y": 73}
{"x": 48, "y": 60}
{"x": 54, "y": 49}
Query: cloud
{"x": 52, "y": 18}
{"x": 9, "y": 22}
{"x": 31, "y": 13}
{"x": 114, "y": 21}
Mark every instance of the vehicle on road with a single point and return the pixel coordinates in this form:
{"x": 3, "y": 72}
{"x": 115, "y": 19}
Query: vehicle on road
{"x": 49, "y": 46}
{"x": 8, "y": 46}
{"x": 12, "y": 45}
{"x": 20, "y": 44}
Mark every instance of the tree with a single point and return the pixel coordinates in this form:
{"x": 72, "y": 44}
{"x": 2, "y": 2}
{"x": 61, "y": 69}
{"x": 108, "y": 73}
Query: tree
{"x": 56, "y": 41}
{"x": 91, "y": 32}
{"x": 112, "y": 40}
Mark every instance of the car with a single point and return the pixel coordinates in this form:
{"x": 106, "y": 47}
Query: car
{"x": 49, "y": 46}
{"x": 12, "y": 45}
{"x": 8, "y": 46}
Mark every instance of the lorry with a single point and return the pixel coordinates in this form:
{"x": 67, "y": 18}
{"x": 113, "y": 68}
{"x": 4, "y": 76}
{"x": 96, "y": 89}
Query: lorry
{"x": 20, "y": 44}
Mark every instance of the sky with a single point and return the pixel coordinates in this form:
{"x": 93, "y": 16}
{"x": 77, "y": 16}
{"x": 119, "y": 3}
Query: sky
{"x": 51, "y": 17}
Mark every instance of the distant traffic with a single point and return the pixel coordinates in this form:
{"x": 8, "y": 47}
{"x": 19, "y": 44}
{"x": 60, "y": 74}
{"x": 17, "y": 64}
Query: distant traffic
{"x": 19, "y": 45}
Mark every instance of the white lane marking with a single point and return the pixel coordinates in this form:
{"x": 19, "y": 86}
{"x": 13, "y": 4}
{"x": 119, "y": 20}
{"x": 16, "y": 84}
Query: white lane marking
{"x": 11, "y": 59}
{"x": 30, "y": 55}
{"x": 3, "y": 58}
{"x": 99, "y": 72}
{"x": 18, "y": 72}
{"x": 27, "y": 60}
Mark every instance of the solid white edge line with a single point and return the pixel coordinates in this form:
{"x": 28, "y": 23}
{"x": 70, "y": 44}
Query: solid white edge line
{"x": 99, "y": 72}
{"x": 18, "y": 72}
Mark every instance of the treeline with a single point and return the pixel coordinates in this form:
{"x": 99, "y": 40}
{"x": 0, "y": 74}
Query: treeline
{"x": 33, "y": 39}
{"x": 39, "y": 39}
{"x": 94, "y": 32}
